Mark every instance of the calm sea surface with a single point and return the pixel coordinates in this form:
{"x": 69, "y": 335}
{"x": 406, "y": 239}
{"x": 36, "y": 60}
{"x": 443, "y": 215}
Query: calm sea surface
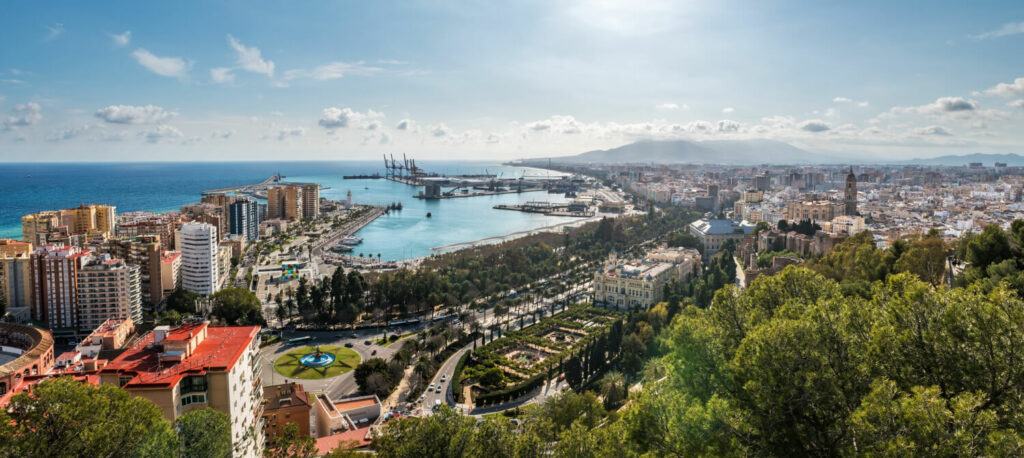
{"x": 159, "y": 187}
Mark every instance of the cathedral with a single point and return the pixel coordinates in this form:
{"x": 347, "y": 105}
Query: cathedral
{"x": 850, "y": 197}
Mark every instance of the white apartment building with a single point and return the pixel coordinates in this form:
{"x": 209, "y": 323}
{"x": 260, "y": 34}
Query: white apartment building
{"x": 199, "y": 260}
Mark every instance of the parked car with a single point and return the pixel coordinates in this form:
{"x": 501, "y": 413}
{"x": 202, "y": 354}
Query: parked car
{"x": 348, "y": 344}
{"x": 367, "y": 342}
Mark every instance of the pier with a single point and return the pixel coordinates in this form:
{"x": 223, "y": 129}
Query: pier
{"x": 551, "y": 209}
{"x": 248, "y": 188}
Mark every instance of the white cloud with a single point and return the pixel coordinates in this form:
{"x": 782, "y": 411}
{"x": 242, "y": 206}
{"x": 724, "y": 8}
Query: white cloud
{"x": 54, "y": 31}
{"x": 222, "y": 75}
{"x": 251, "y": 59}
{"x": 814, "y": 125}
{"x": 121, "y": 39}
{"x": 1007, "y": 89}
{"x": 405, "y": 124}
{"x": 222, "y": 135}
{"x": 441, "y": 131}
{"x": 118, "y": 136}
{"x": 289, "y": 132}
{"x": 22, "y": 115}
{"x": 65, "y": 133}
{"x": 161, "y": 132}
{"x": 333, "y": 118}
{"x": 334, "y": 70}
{"x": 850, "y": 101}
{"x": 1019, "y": 103}
{"x": 174, "y": 67}
{"x": 1012, "y": 28}
{"x": 932, "y": 130}
{"x": 950, "y": 108}
{"x": 728, "y": 110}
{"x": 128, "y": 114}
{"x": 669, "y": 106}
{"x": 726, "y": 125}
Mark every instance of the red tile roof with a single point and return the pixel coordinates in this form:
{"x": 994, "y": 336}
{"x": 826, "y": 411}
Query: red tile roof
{"x": 325, "y": 444}
{"x": 218, "y": 352}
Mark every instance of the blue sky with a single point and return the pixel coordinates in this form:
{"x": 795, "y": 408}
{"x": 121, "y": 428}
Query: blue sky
{"x": 483, "y": 80}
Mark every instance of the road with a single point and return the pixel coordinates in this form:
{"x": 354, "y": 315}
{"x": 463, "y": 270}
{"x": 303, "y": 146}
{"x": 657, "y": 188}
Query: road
{"x": 446, "y": 396}
{"x": 337, "y": 387}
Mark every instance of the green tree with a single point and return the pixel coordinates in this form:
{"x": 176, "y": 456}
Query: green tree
{"x": 989, "y": 247}
{"x": 204, "y": 433}
{"x": 62, "y": 417}
{"x": 444, "y": 434}
{"x": 926, "y": 258}
{"x": 237, "y": 307}
{"x": 291, "y": 443}
{"x": 374, "y": 377}
{"x": 182, "y": 301}
{"x": 613, "y": 390}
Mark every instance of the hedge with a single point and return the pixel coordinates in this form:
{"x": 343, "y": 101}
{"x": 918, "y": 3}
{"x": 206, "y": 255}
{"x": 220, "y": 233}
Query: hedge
{"x": 457, "y": 376}
{"x": 508, "y": 394}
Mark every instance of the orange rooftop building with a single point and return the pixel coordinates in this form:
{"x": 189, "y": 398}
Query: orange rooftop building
{"x": 195, "y": 366}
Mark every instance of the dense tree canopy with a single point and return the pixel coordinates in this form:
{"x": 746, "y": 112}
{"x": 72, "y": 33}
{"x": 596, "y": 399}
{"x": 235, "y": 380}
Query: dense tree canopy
{"x": 237, "y": 307}
{"x": 66, "y": 418}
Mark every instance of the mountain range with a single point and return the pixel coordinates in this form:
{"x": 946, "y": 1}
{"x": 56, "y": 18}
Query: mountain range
{"x": 701, "y": 152}
{"x": 751, "y": 152}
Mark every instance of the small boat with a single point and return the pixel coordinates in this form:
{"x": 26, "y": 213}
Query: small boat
{"x": 428, "y": 215}
{"x": 351, "y": 240}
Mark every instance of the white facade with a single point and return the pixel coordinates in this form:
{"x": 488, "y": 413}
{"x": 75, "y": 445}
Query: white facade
{"x": 245, "y": 403}
{"x": 199, "y": 267}
{"x": 639, "y": 283}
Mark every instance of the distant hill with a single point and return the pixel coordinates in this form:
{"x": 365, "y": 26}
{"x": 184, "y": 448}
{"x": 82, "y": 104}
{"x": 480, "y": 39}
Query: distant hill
{"x": 702, "y": 152}
{"x": 1012, "y": 160}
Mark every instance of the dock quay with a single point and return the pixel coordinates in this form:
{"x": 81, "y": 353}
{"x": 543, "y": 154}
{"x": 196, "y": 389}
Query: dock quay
{"x": 551, "y": 209}
{"x": 375, "y": 176}
{"x": 332, "y": 238}
{"x": 477, "y": 193}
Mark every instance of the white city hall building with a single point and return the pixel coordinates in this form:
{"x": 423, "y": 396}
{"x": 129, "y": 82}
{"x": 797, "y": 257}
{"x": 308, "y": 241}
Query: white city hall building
{"x": 199, "y": 248}
{"x": 639, "y": 283}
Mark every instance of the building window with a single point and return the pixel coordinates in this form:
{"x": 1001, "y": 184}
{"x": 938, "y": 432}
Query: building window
{"x": 192, "y": 384}
{"x": 193, "y": 399}
{"x": 123, "y": 380}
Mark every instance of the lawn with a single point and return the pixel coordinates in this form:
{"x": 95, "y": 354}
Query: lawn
{"x": 288, "y": 364}
{"x": 388, "y": 343}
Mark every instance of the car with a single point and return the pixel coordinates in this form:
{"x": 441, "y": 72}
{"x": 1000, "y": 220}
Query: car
{"x": 438, "y": 389}
{"x": 422, "y": 397}
{"x": 442, "y": 378}
{"x": 431, "y": 388}
{"x": 348, "y": 344}
{"x": 367, "y": 342}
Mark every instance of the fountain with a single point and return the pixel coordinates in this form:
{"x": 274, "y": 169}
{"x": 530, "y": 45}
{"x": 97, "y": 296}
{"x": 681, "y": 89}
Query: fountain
{"x": 317, "y": 359}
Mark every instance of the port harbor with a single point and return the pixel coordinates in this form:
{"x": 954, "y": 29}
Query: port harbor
{"x": 436, "y": 186}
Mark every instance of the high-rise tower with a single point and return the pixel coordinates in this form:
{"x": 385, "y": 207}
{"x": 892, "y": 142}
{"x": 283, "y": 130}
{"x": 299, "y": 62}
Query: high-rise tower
{"x": 850, "y": 196}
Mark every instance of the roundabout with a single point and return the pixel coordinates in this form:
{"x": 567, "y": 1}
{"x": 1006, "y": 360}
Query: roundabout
{"x": 317, "y": 362}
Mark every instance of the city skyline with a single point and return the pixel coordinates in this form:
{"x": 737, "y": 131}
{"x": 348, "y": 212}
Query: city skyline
{"x": 341, "y": 81}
